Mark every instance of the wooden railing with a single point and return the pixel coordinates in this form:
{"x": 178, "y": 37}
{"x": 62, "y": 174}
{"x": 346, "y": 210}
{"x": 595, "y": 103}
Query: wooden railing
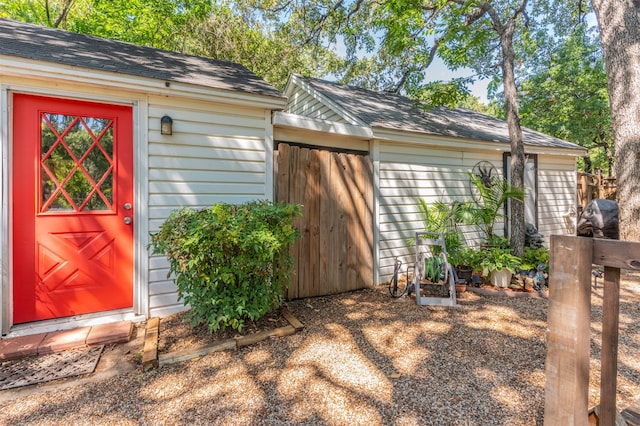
{"x": 569, "y": 323}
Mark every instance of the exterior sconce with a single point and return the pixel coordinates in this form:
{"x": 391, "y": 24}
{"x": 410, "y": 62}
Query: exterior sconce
{"x": 166, "y": 125}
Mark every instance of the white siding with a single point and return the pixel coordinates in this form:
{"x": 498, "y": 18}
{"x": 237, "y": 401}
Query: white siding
{"x": 217, "y": 153}
{"x": 409, "y": 172}
{"x": 303, "y": 103}
{"x": 556, "y": 194}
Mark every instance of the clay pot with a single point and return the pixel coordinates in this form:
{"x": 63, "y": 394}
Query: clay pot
{"x": 461, "y": 288}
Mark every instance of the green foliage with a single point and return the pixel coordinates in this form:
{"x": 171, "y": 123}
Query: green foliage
{"x": 567, "y": 97}
{"x": 497, "y": 241}
{"x": 199, "y": 27}
{"x": 452, "y": 93}
{"x": 163, "y": 24}
{"x": 443, "y": 218}
{"x": 493, "y": 198}
{"x": 230, "y": 262}
{"x": 496, "y": 259}
{"x": 434, "y": 269}
{"x": 534, "y": 257}
{"x": 269, "y": 53}
{"x": 467, "y": 256}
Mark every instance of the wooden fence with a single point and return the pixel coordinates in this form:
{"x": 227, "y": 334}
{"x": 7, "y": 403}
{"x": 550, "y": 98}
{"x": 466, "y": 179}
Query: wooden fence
{"x": 335, "y": 253}
{"x": 592, "y": 186}
{"x": 568, "y": 340}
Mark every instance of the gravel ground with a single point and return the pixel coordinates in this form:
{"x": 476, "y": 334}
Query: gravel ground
{"x": 363, "y": 358}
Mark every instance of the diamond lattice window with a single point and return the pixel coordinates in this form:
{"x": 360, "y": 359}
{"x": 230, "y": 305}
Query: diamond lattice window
{"x": 76, "y": 163}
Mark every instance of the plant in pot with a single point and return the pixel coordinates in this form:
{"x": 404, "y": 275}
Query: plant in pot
{"x": 443, "y": 218}
{"x": 499, "y": 265}
{"x": 465, "y": 261}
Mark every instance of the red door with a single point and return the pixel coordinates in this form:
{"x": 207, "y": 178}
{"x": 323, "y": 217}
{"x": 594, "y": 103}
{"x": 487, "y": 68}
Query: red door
{"x": 72, "y": 186}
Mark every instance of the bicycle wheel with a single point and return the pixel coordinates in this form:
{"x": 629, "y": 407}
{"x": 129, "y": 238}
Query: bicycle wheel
{"x": 397, "y": 285}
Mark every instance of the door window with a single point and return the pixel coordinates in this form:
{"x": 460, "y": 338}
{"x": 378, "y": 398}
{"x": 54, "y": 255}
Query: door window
{"x": 76, "y": 164}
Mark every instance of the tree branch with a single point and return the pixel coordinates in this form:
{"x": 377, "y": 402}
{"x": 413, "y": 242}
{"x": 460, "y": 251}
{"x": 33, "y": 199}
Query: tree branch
{"x": 318, "y": 27}
{"x": 63, "y": 14}
{"x": 405, "y": 75}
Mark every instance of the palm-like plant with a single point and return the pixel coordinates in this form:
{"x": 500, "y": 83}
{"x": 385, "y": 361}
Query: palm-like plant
{"x": 443, "y": 218}
{"x": 493, "y": 197}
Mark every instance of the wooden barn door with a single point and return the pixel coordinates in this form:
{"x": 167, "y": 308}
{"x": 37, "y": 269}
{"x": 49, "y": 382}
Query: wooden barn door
{"x": 335, "y": 253}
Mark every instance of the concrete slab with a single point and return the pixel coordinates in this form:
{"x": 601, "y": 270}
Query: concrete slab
{"x": 58, "y": 341}
{"x": 20, "y": 347}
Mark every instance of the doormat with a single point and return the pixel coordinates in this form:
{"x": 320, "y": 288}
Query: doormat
{"x": 44, "y": 368}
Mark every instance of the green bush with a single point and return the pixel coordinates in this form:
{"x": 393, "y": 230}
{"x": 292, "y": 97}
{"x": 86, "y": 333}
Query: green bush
{"x": 231, "y": 262}
{"x": 534, "y": 257}
{"x": 496, "y": 259}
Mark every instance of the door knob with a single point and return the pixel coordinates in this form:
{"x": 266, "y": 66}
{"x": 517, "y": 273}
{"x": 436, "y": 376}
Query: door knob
{"x": 127, "y": 206}
{"x": 127, "y": 220}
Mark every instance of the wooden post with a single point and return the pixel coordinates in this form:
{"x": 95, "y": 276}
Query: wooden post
{"x": 150, "y": 348}
{"x": 599, "y": 184}
{"x": 567, "y": 363}
{"x": 586, "y": 197}
{"x": 609, "y": 358}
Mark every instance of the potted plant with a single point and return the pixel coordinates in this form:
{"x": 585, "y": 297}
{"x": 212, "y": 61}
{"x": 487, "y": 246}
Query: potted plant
{"x": 465, "y": 261}
{"x": 499, "y": 265}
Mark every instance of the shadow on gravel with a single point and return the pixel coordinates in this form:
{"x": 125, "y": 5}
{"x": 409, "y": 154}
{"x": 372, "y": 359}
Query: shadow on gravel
{"x": 362, "y": 358}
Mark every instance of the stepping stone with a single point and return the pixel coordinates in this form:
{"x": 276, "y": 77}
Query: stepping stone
{"x": 20, "y": 347}
{"x": 105, "y": 334}
{"x": 59, "y": 341}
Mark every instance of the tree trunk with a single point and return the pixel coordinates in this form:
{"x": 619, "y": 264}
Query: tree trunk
{"x": 515, "y": 135}
{"x": 619, "y": 22}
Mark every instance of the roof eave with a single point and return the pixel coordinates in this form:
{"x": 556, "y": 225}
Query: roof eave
{"x": 40, "y": 69}
{"x": 381, "y": 132}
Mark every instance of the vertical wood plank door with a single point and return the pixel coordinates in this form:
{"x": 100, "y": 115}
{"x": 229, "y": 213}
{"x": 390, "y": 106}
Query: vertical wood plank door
{"x": 335, "y": 252}
{"x": 72, "y": 207}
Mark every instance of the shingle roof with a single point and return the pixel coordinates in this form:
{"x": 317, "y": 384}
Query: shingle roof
{"x": 64, "y": 47}
{"x": 393, "y": 111}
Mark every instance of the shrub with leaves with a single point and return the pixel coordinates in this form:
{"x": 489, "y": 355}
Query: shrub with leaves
{"x": 533, "y": 257}
{"x": 231, "y": 262}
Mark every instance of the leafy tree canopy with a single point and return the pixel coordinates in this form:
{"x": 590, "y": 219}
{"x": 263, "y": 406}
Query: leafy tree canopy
{"x": 567, "y": 97}
{"x": 558, "y": 69}
{"x": 200, "y": 27}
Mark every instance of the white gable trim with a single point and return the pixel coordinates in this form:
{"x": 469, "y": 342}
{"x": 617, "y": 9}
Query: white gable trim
{"x": 294, "y": 121}
{"x": 297, "y": 81}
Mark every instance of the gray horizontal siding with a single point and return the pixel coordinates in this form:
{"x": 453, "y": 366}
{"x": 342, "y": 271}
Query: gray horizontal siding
{"x": 216, "y": 154}
{"x": 556, "y": 194}
{"x": 409, "y": 172}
